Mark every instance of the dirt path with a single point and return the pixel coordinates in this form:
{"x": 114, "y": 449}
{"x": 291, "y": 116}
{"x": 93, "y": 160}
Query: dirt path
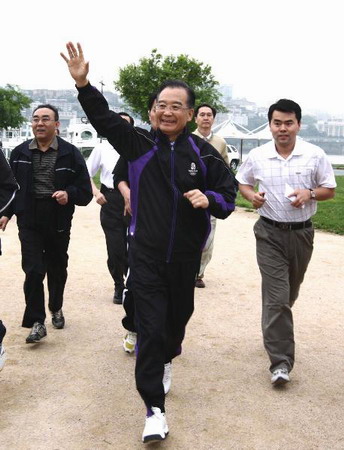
{"x": 76, "y": 389}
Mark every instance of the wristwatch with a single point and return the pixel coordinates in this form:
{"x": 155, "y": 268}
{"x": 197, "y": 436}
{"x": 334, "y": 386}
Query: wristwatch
{"x": 313, "y": 195}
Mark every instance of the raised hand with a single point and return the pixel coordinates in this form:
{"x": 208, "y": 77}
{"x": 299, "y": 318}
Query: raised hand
{"x": 77, "y": 65}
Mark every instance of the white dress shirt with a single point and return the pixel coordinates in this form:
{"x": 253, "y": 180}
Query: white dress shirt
{"x": 103, "y": 157}
{"x": 307, "y": 167}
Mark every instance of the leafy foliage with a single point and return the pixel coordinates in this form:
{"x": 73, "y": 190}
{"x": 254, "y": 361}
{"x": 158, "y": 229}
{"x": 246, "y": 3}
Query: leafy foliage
{"x": 138, "y": 81}
{"x": 12, "y": 101}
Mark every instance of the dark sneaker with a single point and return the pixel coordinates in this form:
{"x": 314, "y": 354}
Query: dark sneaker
{"x": 37, "y": 333}
{"x": 58, "y": 319}
{"x": 199, "y": 283}
{"x": 117, "y": 297}
{"x": 280, "y": 377}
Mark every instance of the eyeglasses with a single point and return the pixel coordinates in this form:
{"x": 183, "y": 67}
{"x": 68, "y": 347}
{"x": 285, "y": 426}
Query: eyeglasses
{"x": 42, "y": 119}
{"x": 174, "y": 108}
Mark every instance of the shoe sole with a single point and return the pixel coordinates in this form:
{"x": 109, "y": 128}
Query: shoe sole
{"x": 280, "y": 382}
{"x": 154, "y": 438}
{"x": 128, "y": 351}
{"x": 58, "y": 327}
{"x": 34, "y": 341}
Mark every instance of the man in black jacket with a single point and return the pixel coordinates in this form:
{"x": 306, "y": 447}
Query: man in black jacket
{"x": 176, "y": 182}
{"x": 53, "y": 178}
{"x": 8, "y": 188}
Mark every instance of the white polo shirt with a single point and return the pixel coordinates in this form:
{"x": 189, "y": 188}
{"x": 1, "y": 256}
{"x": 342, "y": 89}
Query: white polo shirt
{"x": 103, "y": 157}
{"x": 307, "y": 167}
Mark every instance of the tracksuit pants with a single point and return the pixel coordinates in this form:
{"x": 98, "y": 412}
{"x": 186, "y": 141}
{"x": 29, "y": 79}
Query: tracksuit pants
{"x": 44, "y": 252}
{"x": 164, "y": 302}
{"x": 114, "y": 225}
{"x": 283, "y": 257}
{"x": 128, "y": 320}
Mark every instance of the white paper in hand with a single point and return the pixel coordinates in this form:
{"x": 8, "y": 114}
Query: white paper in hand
{"x": 289, "y": 190}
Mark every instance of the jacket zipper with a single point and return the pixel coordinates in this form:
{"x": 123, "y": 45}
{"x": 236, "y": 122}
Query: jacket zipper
{"x": 175, "y": 199}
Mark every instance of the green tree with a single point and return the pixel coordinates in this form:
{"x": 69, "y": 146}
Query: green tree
{"x": 12, "y": 102}
{"x": 137, "y": 81}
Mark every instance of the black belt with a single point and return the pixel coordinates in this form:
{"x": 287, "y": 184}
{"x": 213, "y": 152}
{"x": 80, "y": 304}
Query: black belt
{"x": 288, "y": 225}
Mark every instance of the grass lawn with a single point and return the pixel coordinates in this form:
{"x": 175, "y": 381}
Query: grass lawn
{"x": 96, "y": 179}
{"x": 330, "y": 213}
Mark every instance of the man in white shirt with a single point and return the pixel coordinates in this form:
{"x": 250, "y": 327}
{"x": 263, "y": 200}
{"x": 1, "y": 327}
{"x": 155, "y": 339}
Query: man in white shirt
{"x": 104, "y": 158}
{"x": 204, "y": 118}
{"x": 292, "y": 175}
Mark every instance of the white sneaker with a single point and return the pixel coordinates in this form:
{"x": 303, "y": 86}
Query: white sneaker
{"x": 2, "y": 356}
{"x": 129, "y": 342}
{"x": 156, "y": 428}
{"x": 280, "y": 376}
{"x": 167, "y": 379}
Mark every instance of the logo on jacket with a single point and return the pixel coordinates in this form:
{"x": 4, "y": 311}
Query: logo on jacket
{"x": 193, "y": 169}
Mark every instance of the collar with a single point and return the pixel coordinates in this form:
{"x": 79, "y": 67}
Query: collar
{"x": 272, "y": 152}
{"x": 206, "y": 138}
{"x": 160, "y": 136}
{"x": 34, "y": 144}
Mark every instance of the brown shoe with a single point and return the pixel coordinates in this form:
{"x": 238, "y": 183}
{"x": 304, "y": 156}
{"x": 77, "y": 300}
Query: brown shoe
{"x": 199, "y": 283}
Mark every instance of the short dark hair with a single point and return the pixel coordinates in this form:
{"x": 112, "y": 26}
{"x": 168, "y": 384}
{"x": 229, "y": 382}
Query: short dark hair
{"x": 131, "y": 120}
{"x": 285, "y": 105}
{"x": 179, "y": 84}
{"x": 202, "y": 105}
{"x": 48, "y": 106}
{"x": 151, "y": 100}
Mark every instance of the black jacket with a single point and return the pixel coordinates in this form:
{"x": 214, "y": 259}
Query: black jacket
{"x": 120, "y": 172}
{"x": 164, "y": 223}
{"x": 8, "y": 185}
{"x": 71, "y": 175}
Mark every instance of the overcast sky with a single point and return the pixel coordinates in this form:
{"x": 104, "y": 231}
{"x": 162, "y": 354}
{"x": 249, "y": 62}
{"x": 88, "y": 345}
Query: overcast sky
{"x": 265, "y": 49}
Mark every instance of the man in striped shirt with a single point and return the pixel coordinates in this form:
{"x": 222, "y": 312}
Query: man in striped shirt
{"x": 53, "y": 178}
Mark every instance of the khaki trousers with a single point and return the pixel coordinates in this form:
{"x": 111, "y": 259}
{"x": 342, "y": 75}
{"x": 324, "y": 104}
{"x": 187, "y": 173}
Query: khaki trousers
{"x": 207, "y": 251}
{"x": 283, "y": 257}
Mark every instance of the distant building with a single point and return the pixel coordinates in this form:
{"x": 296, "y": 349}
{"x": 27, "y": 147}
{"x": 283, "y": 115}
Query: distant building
{"x": 331, "y": 128}
{"x": 14, "y": 136}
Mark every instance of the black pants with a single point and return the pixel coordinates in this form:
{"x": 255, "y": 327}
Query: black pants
{"x": 114, "y": 225}
{"x": 2, "y": 331}
{"x": 44, "y": 252}
{"x": 128, "y": 320}
{"x": 164, "y": 302}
